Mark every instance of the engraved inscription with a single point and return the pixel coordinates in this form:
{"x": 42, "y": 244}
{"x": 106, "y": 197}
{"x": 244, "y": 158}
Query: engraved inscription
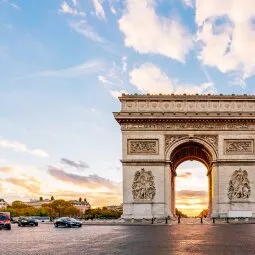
{"x": 239, "y": 146}
{"x": 143, "y": 187}
{"x": 142, "y": 146}
{"x": 239, "y": 185}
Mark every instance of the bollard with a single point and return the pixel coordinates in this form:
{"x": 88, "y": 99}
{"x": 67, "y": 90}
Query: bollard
{"x": 213, "y": 220}
{"x": 179, "y": 220}
{"x": 201, "y": 220}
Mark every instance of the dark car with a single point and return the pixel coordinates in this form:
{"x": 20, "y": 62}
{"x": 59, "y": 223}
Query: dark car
{"x": 27, "y": 221}
{"x": 67, "y": 222}
{"x": 5, "y": 220}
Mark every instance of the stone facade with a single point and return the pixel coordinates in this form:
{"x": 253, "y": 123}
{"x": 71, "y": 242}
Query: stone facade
{"x": 161, "y": 131}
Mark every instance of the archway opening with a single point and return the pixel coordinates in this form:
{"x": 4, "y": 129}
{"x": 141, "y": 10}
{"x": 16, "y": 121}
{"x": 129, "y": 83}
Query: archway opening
{"x": 192, "y": 191}
{"x": 191, "y": 161}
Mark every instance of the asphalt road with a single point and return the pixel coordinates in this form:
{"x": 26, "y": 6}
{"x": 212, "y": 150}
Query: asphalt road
{"x": 130, "y": 240}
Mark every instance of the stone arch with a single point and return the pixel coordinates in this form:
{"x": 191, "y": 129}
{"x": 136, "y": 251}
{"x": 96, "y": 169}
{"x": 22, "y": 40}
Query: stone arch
{"x": 192, "y": 148}
{"x": 209, "y": 146}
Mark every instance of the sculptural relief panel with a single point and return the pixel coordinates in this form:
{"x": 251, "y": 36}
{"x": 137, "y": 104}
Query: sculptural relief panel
{"x": 143, "y": 146}
{"x": 239, "y": 186}
{"x": 143, "y": 187}
{"x": 239, "y": 147}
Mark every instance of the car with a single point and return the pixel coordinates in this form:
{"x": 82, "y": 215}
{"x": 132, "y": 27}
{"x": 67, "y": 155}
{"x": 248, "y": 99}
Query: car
{"x": 67, "y": 222}
{"x": 27, "y": 221}
{"x": 5, "y": 220}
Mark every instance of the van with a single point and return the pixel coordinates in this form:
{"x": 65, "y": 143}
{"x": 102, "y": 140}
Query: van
{"x": 5, "y": 220}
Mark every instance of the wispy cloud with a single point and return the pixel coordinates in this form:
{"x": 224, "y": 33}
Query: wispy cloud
{"x": 29, "y": 184}
{"x": 6, "y": 169}
{"x": 87, "y": 68}
{"x": 21, "y": 147}
{"x": 11, "y": 4}
{"x": 67, "y": 9}
{"x": 83, "y": 28}
{"x": 99, "y": 9}
{"x": 91, "y": 181}
{"x": 77, "y": 164}
{"x": 185, "y": 175}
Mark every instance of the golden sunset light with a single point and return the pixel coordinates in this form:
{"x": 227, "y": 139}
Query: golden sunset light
{"x": 191, "y": 188}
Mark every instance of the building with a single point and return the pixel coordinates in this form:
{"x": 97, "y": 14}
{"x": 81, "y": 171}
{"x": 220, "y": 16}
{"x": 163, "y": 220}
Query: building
{"x": 38, "y": 203}
{"x": 159, "y": 132}
{"x": 83, "y": 206}
{"x": 3, "y": 204}
{"x": 118, "y": 208}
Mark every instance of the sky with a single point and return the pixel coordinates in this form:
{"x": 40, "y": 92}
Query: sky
{"x": 64, "y": 63}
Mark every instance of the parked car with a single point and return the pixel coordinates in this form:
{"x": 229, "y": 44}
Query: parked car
{"x": 67, "y": 222}
{"x": 5, "y": 220}
{"x": 27, "y": 221}
{"x": 14, "y": 220}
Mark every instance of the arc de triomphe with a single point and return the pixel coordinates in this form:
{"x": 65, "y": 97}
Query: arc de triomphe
{"x": 159, "y": 132}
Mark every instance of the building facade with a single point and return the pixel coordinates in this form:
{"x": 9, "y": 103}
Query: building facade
{"x": 159, "y": 132}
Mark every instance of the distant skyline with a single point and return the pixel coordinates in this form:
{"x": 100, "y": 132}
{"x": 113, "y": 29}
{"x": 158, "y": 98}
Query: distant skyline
{"x": 64, "y": 63}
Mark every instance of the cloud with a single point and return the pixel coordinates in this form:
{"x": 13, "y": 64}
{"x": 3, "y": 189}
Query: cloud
{"x": 21, "y": 147}
{"x": 87, "y": 68}
{"x": 67, "y": 9}
{"x": 6, "y": 169}
{"x": 112, "y": 7}
{"x": 185, "y": 175}
{"x": 77, "y": 164}
{"x": 116, "y": 94}
{"x": 11, "y": 4}
{"x": 83, "y": 28}
{"x": 98, "y": 5}
{"x": 113, "y": 78}
{"x": 188, "y": 3}
{"x": 91, "y": 181}
{"x": 149, "y": 78}
{"x": 80, "y": 24}
{"x": 226, "y": 35}
{"x": 30, "y": 184}
{"x": 192, "y": 194}
{"x": 164, "y": 36}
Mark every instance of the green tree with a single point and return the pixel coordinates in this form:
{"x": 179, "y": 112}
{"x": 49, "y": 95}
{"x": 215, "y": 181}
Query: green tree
{"x": 80, "y": 199}
{"x": 52, "y": 198}
{"x": 59, "y": 206}
{"x": 71, "y": 211}
{"x": 41, "y": 198}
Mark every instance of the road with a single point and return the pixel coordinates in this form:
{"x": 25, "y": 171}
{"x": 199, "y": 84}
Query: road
{"x": 130, "y": 240}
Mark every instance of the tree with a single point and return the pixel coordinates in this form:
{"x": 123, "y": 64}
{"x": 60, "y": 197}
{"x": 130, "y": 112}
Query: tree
{"x": 41, "y": 198}
{"x": 80, "y": 199}
{"x": 71, "y": 211}
{"x": 59, "y": 206}
{"x": 52, "y": 198}
{"x": 179, "y": 213}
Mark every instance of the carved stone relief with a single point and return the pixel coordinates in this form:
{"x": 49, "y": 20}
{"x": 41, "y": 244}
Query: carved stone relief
{"x": 239, "y": 185}
{"x": 211, "y": 139}
{"x": 239, "y": 146}
{"x": 188, "y": 126}
{"x": 171, "y": 139}
{"x": 143, "y": 187}
{"x": 142, "y": 146}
